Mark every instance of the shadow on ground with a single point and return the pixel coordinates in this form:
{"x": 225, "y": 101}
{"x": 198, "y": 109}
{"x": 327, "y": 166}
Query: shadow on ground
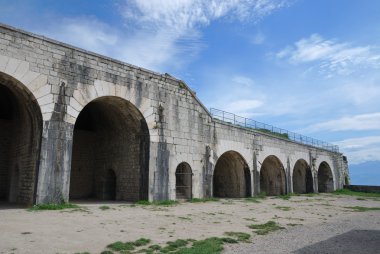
{"x": 354, "y": 241}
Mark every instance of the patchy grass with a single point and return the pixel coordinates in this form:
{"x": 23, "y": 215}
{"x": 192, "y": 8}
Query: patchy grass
{"x": 203, "y": 200}
{"x": 266, "y": 228}
{"x": 362, "y": 209}
{"x": 157, "y": 203}
{"x": 240, "y": 236}
{"x": 104, "y": 207}
{"x": 310, "y": 194}
{"x": 53, "y": 207}
{"x": 252, "y": 200}
{"x": 356, "y": 193}
{"x": 120, "y": 246}
{"x": 262, "y": 195}
{"x": 293, "y": 224}
{"x": 288, "y": 196}
{"x": 210, "y": 245}
{"x": 284, "y": 208}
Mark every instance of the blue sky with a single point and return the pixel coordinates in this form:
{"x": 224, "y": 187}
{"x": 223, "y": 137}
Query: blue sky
{"x": 308, "y": 66}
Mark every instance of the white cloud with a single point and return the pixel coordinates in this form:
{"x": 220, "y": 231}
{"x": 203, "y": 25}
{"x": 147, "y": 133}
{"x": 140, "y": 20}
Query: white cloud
{"x": 332, "y": 57}
{"x": 157, "y": 34}
{"x": 359, "y": 150}
{"x": 360, "y": 122}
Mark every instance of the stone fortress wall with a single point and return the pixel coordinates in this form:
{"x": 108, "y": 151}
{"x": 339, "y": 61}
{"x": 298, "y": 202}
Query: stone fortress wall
{"x": 78, "y": 125}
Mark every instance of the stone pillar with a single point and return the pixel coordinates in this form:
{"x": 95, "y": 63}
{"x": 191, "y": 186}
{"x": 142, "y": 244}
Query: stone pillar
{"x": 55, "y": 162}
{"x": 288, "y": 177}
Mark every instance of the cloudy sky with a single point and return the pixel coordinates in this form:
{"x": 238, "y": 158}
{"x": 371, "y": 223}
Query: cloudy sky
{"x": 308, "y": 66}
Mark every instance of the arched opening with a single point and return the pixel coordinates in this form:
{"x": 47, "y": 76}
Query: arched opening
{"x": 272, "y": 177}
{"x": 231, "y": 176}
{"x": 325, "y": 178}
{"x": 20, "y": 138}
{"x": 110, "y": 159}
{"x": 302, "y": 178}
{"x": 183, "y": 181}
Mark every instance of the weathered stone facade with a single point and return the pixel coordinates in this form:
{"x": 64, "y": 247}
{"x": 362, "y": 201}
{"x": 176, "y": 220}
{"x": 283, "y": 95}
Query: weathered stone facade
{"x": 74, "y": 124}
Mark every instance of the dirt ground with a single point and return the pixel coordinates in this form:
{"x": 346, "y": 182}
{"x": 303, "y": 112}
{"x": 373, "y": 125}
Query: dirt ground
{"x": 91, "y": 229}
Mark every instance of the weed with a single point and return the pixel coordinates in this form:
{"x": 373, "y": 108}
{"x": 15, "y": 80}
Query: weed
{"x": 104, "y": 207}
{"x": 266, "y": 228}
{"x": 361, "y": 199}
{"x": 240, "y": 236}
{"x": 157, "y": 203}
{"x": 284, "y": 208}
{"x": 287, "y": 196}
{"x": 293, "y": 224}
{"x": 362, "y": 209}
{"x": 252, "y": 200}
{"x": 229, "y": 240}
{"x": 155, "y": 247}
{"x": 210, "y": 245}
{"x": 262, "y": 195}
{"x": 53, "y": 207}
{"x": 120, "y": 246}
{"x": 141, "y": 242}
{"x": 203, "y": 200}
{"x": 356, "y": 193}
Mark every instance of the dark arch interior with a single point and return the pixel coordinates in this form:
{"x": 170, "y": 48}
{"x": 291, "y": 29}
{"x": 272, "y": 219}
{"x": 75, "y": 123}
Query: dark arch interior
{"x": 272, "y": 177}
{"x": 231, "y": 177}
{"x": 183, "y": 181}
{"x": 325, "y": 178}
{"x": 302, "y": 178}
{"x": 110, "y": 152}
{"x": 20, "y": 137}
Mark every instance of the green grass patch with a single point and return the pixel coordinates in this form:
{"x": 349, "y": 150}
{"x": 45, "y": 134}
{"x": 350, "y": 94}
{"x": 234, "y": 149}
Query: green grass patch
{"x": 53, "y": 207}
{"x": 356, "y": 193}
{"x": 362, "y": 209}
{"x": 203, "y": 200}
{"x": 141, "y": 242}
{"x": 104, "y": 207}
{"x": 240, "y": 236}
{"x": 211, "y": 245}
{"x": 288, "y": 196}
{"x": 262, "y": 195}
{"x": 284, "y": 208}
{"x": 252, "y": 200}
{"x": 157, "y": 203}
{"x": 120, "y": 246}
{"x": 266, "y": 228}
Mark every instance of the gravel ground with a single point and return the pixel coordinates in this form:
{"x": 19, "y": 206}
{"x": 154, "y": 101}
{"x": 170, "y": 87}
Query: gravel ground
{"x": 312, "y": 224}
{"x": 354, "y": 233}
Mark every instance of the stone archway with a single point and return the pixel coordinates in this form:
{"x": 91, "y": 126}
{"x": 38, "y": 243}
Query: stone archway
{"x": 325, "y": 178}
{"x": 183, "y": 181}
{"x": 110, "y": 152}
{"x": 302, "y": 178}
{"x": 231, "y": 176}
{"x": 20, "y": 139}
{"x": 272, "y": 177}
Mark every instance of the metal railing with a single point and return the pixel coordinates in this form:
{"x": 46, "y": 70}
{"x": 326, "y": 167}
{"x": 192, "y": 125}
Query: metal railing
{"x": 269, "y": 129}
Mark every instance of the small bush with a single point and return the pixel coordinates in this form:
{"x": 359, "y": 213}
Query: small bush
{"x": 141, "y": 242}
{"x": 104, "y": 207}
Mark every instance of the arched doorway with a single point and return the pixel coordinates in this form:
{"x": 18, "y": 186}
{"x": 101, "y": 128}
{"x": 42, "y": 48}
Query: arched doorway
{"x": 110, "y": 159}
{"x": 231, "y": 176}
{"x": 183, "y": 181}
{"x": 325, "y": 178}
{"x": 272, "y": 177}
{"x": 302, "y": 178}
{"x": 20, "y": 138}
